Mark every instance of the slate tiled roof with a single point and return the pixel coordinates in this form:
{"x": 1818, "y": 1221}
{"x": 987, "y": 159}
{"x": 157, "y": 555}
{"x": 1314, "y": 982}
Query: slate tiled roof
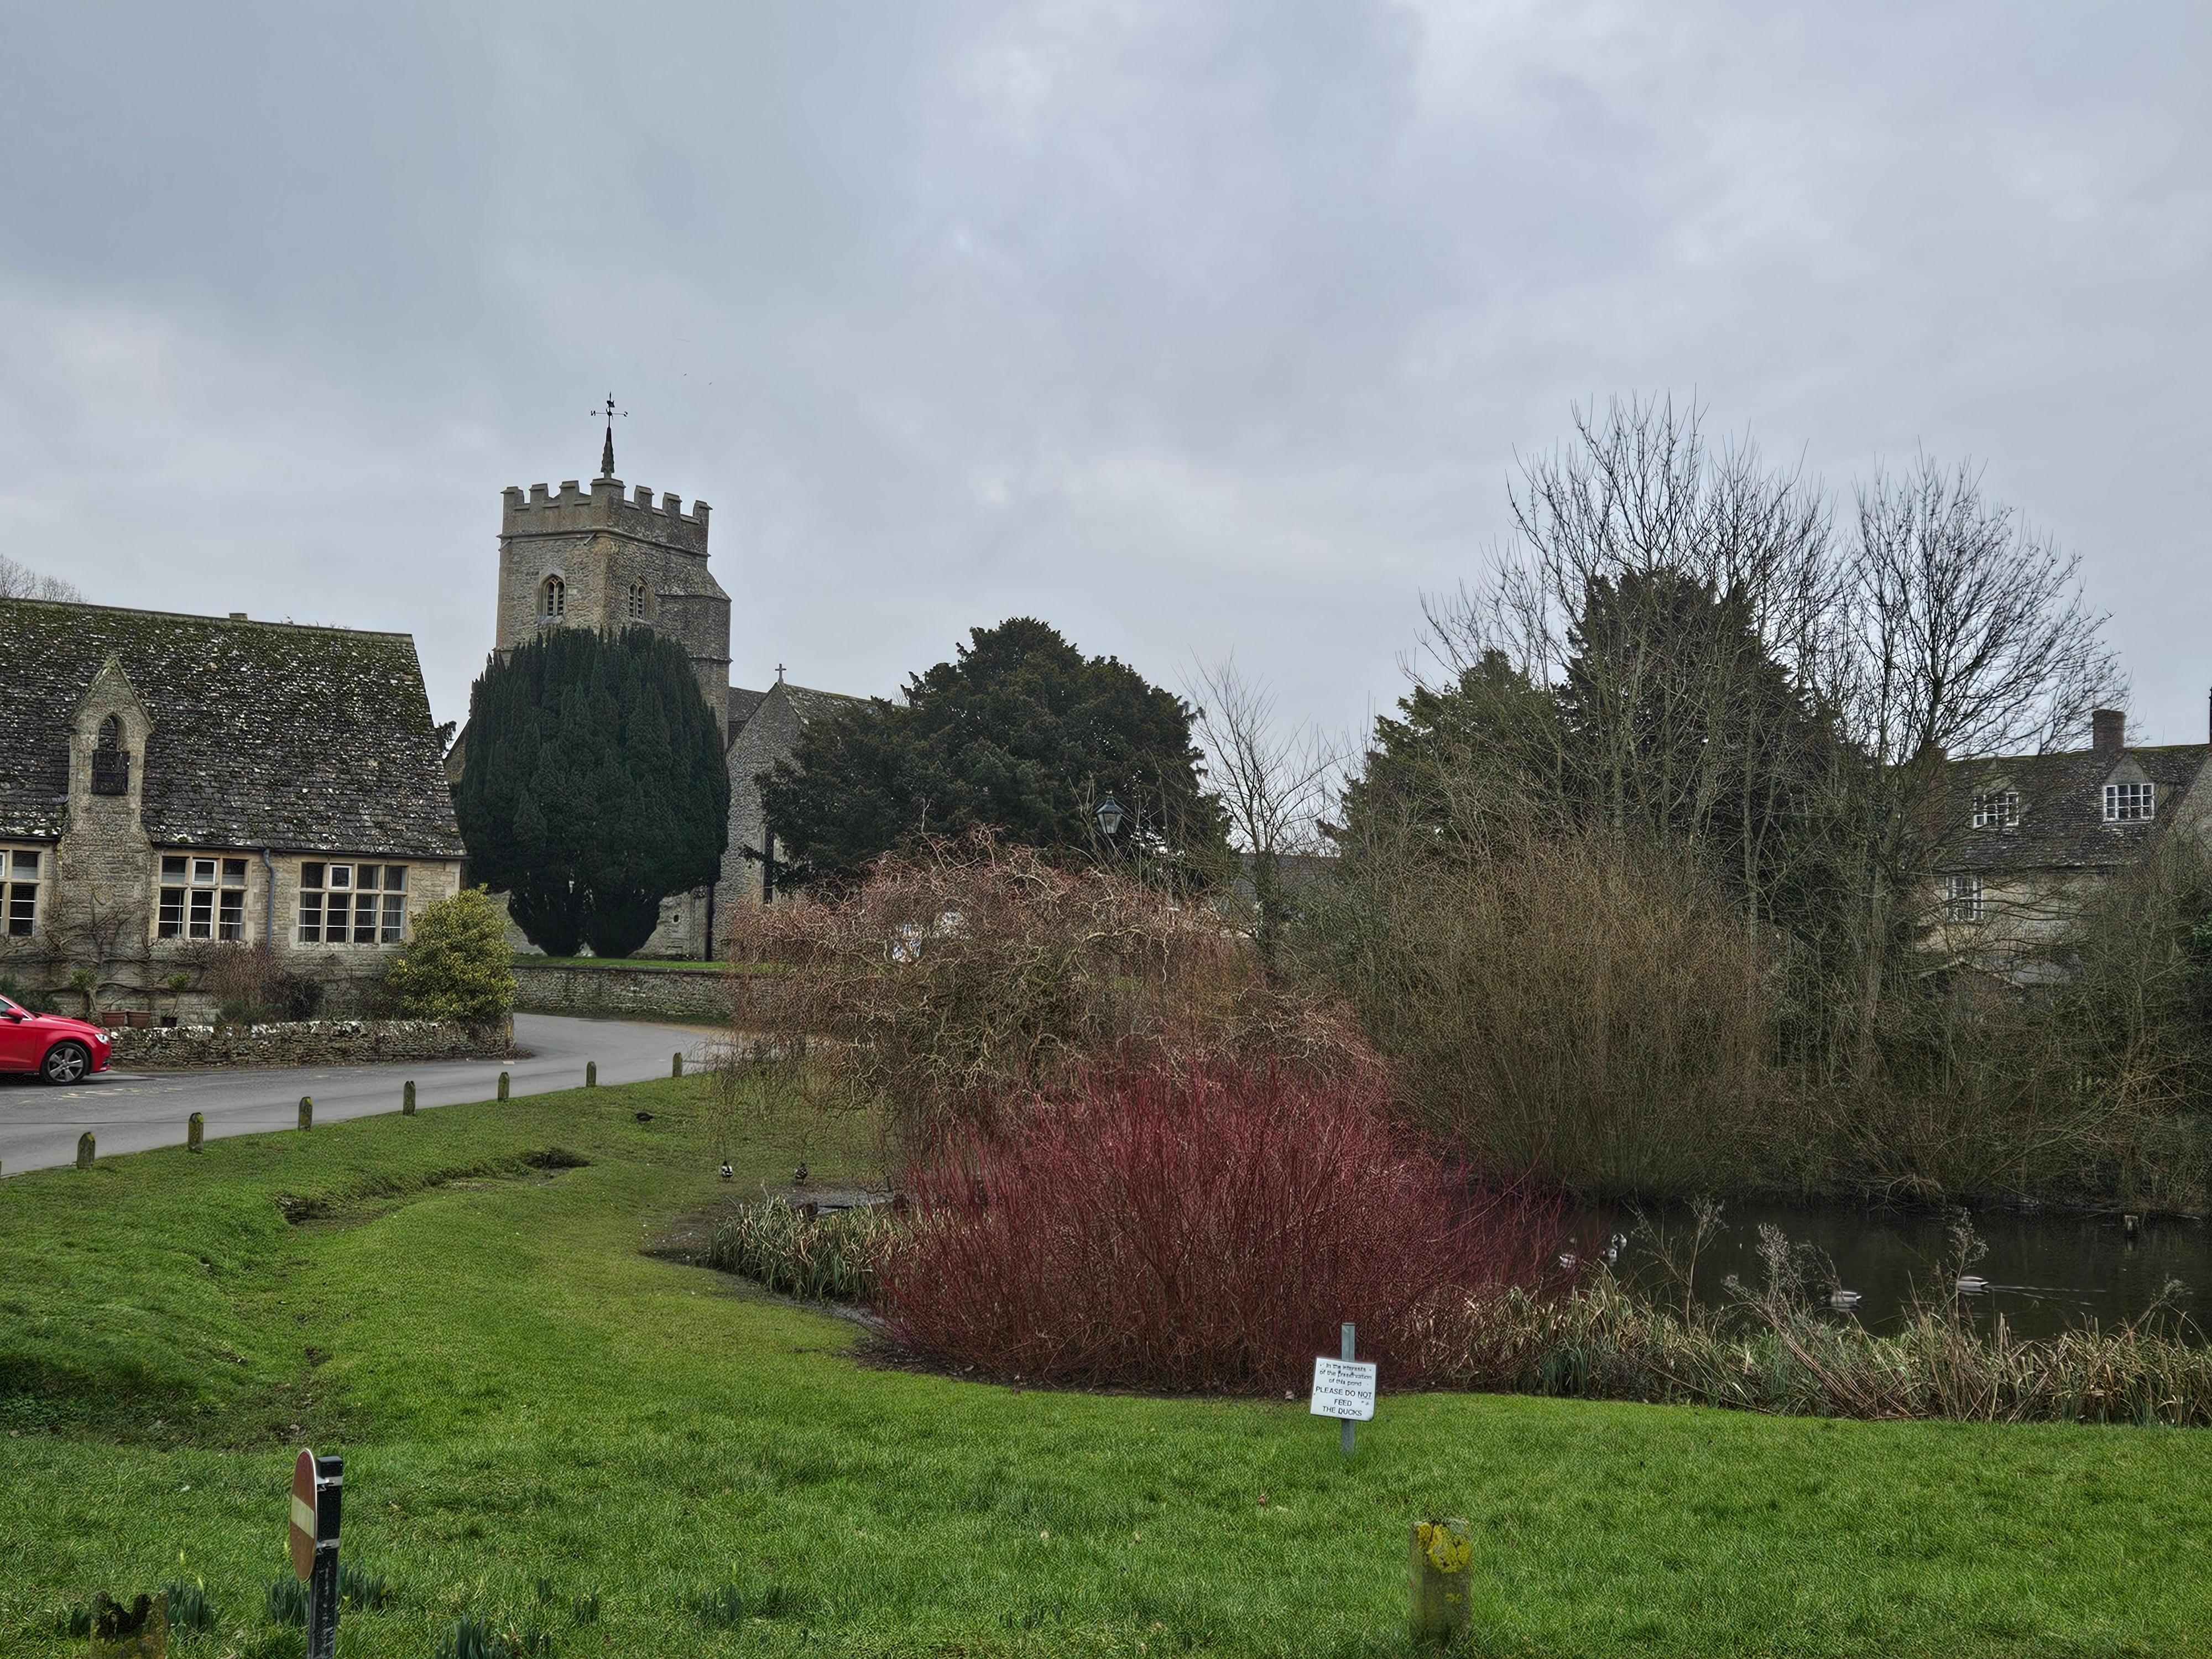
{"x": 266, "y": 735}
{"x": 2061, "y": 808}
{"x": 741, "y": 704}
{"x": 810, "y": 703}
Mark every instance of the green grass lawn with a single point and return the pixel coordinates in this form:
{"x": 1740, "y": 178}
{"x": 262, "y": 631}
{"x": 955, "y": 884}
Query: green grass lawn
{"x": 531, "y": 1406}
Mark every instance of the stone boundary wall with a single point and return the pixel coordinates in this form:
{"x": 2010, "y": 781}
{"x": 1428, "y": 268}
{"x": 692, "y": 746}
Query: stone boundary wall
{"x": 678, "y": 994}
{"x": 304, "y": 1043}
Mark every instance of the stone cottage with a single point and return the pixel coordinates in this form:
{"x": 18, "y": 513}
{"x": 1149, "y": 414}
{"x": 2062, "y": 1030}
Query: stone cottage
{"x": 2033, "y": 838}
{"x": 602, "y": 558}
{"x": 173, "y": 784}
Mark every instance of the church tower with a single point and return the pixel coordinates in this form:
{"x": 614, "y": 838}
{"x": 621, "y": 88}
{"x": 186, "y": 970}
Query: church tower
{"x": 598, "y": 559}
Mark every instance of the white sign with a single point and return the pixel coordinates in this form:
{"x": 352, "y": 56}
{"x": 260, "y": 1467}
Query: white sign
{"x": 1344, "y": 1388}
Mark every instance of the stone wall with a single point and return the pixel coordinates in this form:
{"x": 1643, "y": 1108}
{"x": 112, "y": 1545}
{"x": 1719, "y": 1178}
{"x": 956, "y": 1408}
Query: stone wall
{"x": 306, "y": 1042}
{"x": 614, "y": 990}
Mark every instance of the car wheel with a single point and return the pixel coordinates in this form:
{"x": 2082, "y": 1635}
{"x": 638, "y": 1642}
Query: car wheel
{"x": 65, "y": 1063}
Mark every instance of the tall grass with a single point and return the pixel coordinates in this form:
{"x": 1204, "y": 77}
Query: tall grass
{"x": 829, "y": 1257}
{"x": 1773, "y": 1349}
{"x": 1565, "y": 1008}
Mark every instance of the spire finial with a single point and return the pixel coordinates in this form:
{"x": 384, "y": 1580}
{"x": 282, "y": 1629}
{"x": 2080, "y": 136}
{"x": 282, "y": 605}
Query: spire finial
{"x": 778, "y": 673}
{"x": 607, "y": 450}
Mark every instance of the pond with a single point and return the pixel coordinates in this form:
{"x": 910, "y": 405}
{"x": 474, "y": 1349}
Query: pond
{"x": 2042, "y": 1272}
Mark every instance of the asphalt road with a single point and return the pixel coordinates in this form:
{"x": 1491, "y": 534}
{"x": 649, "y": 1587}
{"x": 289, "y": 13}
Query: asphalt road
{"x": 130, "y": 1112}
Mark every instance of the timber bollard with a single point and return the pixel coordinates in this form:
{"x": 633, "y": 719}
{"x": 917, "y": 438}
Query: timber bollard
{"x": 676, "y": 1065}
{"x": 502, "y": 1086}
{"x": 84, "y": 1151}
{"x": 306, "y": 1111}
{"x": 195, "y": 1132}
{"x": 407, "y": 1099}
{"x": 1442, "y": 1558}
{"x": 591, "y": 1074}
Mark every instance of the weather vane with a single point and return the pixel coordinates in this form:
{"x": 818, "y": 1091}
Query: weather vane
{"x": 607, "y": 453}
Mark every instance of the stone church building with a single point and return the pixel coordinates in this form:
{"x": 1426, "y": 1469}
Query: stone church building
{"x": 604, "y": 558}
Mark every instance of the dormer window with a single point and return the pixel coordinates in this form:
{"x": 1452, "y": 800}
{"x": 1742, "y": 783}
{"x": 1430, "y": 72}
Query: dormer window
{"x": 637, "y": 597}
{"x": 111, "y": 760}
{"x": 1999, "y": 808}
{"x": 553, "y": 600}
{"x": 2128, "y": 803}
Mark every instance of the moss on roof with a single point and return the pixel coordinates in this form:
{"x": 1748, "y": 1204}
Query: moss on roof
{"x": 266, "y": 735}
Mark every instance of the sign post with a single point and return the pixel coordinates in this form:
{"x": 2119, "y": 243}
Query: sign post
{"x": 317, "y": 1485}
{"x": 1345, "y": 1388}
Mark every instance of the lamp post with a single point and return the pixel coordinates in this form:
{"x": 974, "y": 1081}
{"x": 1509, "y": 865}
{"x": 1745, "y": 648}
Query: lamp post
{"x": 1110, "y": 816}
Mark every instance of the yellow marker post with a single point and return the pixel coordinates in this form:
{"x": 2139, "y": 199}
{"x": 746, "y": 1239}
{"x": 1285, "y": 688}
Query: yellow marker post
{"x": 1442, "y": 1559}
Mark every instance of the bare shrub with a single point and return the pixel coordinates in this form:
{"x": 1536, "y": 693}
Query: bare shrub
{"x": 959, "y": 985}
{"x": 1207, "y": 1231}
{"x": 249, "y": 984}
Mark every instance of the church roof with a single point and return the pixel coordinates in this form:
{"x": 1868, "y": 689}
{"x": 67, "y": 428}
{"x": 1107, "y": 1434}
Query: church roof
{"x": 804, "y": 701}
{"x": 265, "y": 734}
{"x": 741, "y": 704}
{"x": 2061, "y": 807}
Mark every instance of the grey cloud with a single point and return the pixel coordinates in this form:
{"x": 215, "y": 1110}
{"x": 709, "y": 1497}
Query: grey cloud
{"x": 1192, "y": 327}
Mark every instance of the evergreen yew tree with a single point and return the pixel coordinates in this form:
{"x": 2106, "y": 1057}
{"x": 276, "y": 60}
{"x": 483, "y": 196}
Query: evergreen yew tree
{"x": 1023, "y": 734}
{"x": 594, "y": 786}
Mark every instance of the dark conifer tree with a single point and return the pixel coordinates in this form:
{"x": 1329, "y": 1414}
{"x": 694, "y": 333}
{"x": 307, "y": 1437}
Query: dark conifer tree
{"x": 1023, "y": 734}
{"x": 594, "y": 786}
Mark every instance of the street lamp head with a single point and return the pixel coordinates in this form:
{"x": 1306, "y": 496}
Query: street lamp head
{"x": 1110, "y": 816}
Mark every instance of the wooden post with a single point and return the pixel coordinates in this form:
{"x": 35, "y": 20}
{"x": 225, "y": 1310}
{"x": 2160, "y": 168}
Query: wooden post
{"x": 195, "y": 1132}
{"x": 591, "y": 1074}
{"x": 1440, "y": 1559}
{"x": 84, "y": 1151}
{"x": 676, "y": 1065}
{"x": 306, "y": 1111}
{"x": 502, "y": 1086}
{"x": 407, "y": 1099}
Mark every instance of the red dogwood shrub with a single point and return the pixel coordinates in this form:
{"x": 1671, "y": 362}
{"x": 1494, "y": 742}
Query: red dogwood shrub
{"x": 1206, "y": 1230}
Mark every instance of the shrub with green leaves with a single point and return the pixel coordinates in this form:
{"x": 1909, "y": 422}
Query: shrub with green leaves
{"x": 457, "y": 966}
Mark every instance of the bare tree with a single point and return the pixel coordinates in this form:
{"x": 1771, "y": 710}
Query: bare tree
{"x": 20, "y": 582}
{"x": 1973, "y": 634}
{"x": 1659, "y": 581}
{"x": 1276, "y": 784}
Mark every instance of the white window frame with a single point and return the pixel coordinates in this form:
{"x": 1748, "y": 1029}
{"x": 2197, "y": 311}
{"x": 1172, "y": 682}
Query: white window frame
{"x": 2130, "y": 803}
{"x": 1962, "y": 898}
{"x": 1997, "y": 809}
{"x": 22, "y": 886}
{"x": 371, "y": 894}
{"x": 201, "y": 896}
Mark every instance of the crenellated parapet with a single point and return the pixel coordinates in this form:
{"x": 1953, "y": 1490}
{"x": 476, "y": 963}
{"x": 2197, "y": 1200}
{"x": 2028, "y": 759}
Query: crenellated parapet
{"x": 573, "y": 510}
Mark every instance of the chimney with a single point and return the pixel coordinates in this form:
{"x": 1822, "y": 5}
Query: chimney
{"x": 2108, "y": 729}
{"x": 238, "y": 616}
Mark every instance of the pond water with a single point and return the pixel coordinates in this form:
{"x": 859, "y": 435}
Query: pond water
{"x": 2042, "y": 1273}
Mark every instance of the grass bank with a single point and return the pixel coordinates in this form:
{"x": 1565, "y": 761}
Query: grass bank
{"x": 534, "y": 1409}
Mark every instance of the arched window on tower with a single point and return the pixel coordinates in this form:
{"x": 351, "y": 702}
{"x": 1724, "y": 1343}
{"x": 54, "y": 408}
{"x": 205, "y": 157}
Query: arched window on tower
{"x": 553, "y": 600}
{"x": 637, "y": 597}
{"x": 111, "y": 760}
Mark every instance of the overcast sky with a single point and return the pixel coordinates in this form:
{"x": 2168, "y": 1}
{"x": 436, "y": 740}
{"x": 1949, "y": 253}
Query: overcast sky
{"x": 1190, "y": 327}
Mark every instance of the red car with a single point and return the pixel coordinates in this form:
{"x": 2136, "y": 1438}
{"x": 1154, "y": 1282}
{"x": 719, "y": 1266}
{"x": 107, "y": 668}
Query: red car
{"x": 59, "y": 1050}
